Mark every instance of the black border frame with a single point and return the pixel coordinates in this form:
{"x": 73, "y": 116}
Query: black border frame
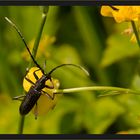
{"x": 69, "y": 136}
{"x": 68, "y": 3}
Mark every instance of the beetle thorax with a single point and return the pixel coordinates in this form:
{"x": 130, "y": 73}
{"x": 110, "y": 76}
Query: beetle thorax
{"x": 40, "y": 83}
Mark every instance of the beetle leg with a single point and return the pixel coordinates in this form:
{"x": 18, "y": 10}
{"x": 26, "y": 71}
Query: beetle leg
{"x": 20, "y": 98}
{"x": 51, "y": 87}
{"x": 35, "y": 75}
{"x": 27, "y": 70}
{"x": 29, "y": 81}
{"x": 47, "y": 94}
{"x": 55, "y": 94}
{"x": 51, "y": 97}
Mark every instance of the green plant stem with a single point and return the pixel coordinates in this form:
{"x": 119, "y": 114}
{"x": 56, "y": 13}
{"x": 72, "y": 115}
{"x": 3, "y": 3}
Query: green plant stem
{"x": 98, "y": 88}
{"x": 35, "y": 47}
{"x": 21, "y": 125}
{"x": 135, "y": 32}
{"x": 138, "y": 41}
{"x": 36, "y": 44}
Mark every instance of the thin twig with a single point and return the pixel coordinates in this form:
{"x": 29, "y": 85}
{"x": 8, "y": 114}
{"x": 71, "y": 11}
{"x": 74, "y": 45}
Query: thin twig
{"x": 135, "y": 32}
{"x": 98, "y": 88}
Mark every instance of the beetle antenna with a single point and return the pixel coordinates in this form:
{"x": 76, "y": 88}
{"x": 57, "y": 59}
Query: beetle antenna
{"x": 20, "y": 34}
{"x": 84, "y": 70}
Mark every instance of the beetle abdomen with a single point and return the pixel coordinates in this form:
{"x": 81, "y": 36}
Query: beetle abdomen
{"x": 29, "y": 101}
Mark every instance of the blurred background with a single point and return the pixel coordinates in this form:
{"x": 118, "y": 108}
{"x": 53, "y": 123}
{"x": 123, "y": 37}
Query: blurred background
{"x": 78, "y": 35}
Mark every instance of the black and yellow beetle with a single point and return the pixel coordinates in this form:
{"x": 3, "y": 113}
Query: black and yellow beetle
{"x": 36, "y": 90}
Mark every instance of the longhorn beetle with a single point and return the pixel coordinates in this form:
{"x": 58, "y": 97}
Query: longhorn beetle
{"x": 30, "y": 99}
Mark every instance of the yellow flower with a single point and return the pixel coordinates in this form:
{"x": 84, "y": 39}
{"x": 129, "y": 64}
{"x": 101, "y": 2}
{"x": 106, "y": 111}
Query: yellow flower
{"x": 44, "y": 103}
{"x": 122, "y": 13}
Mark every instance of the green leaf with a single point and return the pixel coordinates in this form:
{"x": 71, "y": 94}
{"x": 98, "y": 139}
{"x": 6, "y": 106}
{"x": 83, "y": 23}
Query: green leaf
{"x": 103, "y": 115}
{"x": 136, "y": 82}
{"x": 118, "y": 47}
